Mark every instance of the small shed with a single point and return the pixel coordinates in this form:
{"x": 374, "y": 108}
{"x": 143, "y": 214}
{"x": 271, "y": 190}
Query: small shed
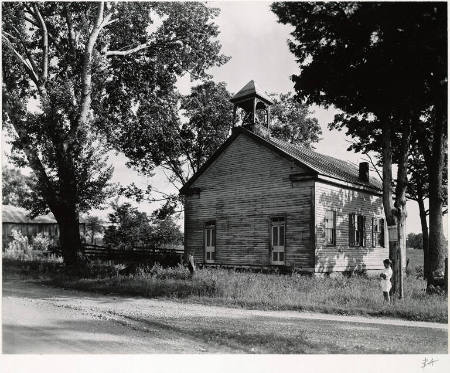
{"x": 17, "y": 218}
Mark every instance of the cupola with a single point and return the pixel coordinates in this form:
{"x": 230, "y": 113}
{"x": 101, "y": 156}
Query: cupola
{"x": 256, "y": 106}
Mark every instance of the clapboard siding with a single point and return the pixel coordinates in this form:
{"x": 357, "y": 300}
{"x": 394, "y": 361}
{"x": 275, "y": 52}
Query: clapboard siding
{"x": 341, "y": 257}
{"x": 241, "y": 190}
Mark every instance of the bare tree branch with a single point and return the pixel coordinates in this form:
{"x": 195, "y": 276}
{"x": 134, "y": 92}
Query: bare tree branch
{"x": 108, "y": 21}
{"x": 44, "y": 63}
{"x": 158, "y": 191}
{"x": 70, "y": 30}
{"x": 21, "y": 59}
{"x": 170, "y": 179}
{"x": 25, "y": 48}
{"x": 374, "y": 166}
{"x": 128, "y": 51}
{"x": 51, "y": 37}
{"x": 34, "y": 23}
{"x": 87, "y": 62}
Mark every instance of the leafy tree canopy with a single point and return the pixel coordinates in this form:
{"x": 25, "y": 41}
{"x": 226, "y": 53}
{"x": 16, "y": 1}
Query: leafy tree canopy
{"x": 133, "y": 228}
{"x": 93, "y": 227}
{"x": 414, "y": 240}
{"x": 179, "y": 144}
{"x": 292, "y": 121}
{"x": 16, "y": 187}
{"x": 365, "y": 58}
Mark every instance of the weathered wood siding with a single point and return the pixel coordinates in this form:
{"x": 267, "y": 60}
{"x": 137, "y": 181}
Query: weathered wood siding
{"x": 29, "y": 230}
{"x": 342, "y": 257}
{"x": 241, "y": 190}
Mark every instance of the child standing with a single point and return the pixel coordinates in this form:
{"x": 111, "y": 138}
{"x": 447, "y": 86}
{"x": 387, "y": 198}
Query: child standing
{"x": 386, "y": 279}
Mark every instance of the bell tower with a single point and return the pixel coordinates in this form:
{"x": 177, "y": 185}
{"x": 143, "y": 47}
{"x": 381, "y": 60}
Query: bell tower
{"x": 256, "y": 106}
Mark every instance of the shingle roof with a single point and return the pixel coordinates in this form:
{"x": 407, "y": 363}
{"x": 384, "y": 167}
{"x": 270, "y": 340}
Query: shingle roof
{"x": 251, "y": 89}
{"x": 320, "y": 163}
{"x": 13, "y": 214}
{"x": 324, "y": 164}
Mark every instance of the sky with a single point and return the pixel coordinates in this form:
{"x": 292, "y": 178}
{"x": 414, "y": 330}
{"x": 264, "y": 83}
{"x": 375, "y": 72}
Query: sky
{"x": 257, "y": 45}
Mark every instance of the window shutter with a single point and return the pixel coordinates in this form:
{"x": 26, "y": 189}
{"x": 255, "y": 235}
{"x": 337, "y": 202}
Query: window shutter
{"x": 363, "y": 243}
{"x": 373, "y": 233}
{"x": 351, "y": 228}
{"x": 381, "y": 243}
{"x": 334, "y": 227}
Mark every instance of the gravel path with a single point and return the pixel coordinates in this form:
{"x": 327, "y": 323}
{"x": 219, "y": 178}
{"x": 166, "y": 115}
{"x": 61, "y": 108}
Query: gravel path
{"x": 42, "y": 319}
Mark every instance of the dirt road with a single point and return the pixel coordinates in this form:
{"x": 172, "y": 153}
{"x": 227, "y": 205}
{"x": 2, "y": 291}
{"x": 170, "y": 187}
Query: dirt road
{"x": 42, "y": 319}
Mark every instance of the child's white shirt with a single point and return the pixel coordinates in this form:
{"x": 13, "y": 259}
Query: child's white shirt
{"x": 386, "y": 283}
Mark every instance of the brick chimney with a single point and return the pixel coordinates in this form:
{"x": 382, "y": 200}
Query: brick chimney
{"x": 364, "y": 171}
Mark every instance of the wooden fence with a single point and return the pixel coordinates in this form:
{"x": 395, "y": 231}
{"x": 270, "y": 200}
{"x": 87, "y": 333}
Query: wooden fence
{"x": 164, "y": 256}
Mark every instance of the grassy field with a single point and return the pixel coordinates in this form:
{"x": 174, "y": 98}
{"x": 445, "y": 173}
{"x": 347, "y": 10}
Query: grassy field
{"x": 355, "y": 295}
{"x": 415, "y": 258}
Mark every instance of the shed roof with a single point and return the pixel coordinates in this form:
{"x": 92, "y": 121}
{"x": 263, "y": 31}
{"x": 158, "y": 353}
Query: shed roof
{"x": 319, "y": 163}
{"x": 14, "y": 214}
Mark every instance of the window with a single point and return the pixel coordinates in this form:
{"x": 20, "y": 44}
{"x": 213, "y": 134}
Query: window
{"x": 210, "y": 242}
{"x": 330, "y": 227}
{"x": 357, "y": 230}
{"x": 377, "y": 232}
{"x": 278, "y": 240}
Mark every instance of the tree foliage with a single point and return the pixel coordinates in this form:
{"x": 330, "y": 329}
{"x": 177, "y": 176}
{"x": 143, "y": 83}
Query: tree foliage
{"x": 415, "y": 241}
{"x": 292, "y": 121}
{"x": 179, "y": 144}
{"x": 388, "y": 51}
{"x": 131, "y": 228}
{"x": 93, "y": 227}
{"x": 16, "y": 187}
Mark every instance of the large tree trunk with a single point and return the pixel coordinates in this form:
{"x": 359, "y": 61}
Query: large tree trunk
{"x": 400, "y": 205}
{"x": 396, "y": 215}
{"x": 69, "y": 235}
{"x": 424, "y": 224}
{"x": 437, "y": 247}
{"x": 387, "y": 196}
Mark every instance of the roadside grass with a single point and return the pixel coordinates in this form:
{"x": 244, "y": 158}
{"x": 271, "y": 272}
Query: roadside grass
{"x": 356, "y": 295}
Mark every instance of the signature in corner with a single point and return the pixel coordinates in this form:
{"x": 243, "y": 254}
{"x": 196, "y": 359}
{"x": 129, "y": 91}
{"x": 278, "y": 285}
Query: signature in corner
{"x": 427, "y": 362}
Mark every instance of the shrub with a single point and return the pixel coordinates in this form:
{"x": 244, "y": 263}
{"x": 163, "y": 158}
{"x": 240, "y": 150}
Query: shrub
{"x": 41, "y": 242}
{"x": 20, "y": 249}
{"x": 157, "y": 271}
{"x": 19, "y": 241}
{"x": 134, "y": 229}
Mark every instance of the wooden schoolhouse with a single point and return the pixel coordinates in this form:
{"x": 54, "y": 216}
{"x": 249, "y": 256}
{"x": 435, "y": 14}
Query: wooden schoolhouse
{"x": 262, "y": 202}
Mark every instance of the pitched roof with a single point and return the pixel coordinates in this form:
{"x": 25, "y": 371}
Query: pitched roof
{"x": 251, "y": 89}
{"x": 319, "y": 163}
{"x": 325, "y": 165}
{"x": 14, "y": 214}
